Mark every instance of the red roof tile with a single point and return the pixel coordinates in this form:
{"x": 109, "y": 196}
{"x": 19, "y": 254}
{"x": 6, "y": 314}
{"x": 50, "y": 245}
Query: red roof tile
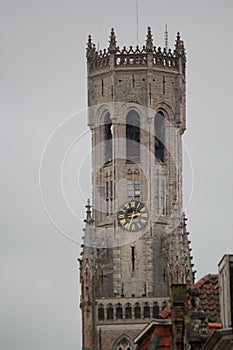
{"x": 209, "y": 298}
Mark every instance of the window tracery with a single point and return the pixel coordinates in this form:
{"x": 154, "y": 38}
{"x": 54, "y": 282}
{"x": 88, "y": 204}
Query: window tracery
{"x": 124, "y": 345}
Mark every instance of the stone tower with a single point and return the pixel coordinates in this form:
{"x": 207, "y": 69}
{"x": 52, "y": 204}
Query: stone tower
{"x": 135, "y": 238}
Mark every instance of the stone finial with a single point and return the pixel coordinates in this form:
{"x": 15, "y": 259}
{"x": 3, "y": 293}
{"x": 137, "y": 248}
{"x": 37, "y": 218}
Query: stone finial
{"x": 112, "y": 41}
{"x": 89, "y": 43}
{"x": 89, "y": 219}
{"x": 149, "y": 40}
{"x": 89, "y": 46}
{"x": 179, "y": 46}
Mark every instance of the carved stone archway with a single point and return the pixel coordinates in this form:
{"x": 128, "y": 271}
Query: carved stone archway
{"x": 124, "y": 342}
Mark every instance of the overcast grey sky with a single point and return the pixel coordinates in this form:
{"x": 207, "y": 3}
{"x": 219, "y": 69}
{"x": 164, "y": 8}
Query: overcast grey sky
{"x": 43, "y": 82}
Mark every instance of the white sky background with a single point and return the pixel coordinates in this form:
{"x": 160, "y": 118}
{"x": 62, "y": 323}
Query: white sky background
{"x": 43, "y": 81}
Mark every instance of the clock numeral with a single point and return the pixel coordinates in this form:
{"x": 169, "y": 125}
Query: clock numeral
{"x": 143, "y": 220}
{"x": 138, "y": 205}
{"x": 132, "y": 204}
{"x": 145, "y": 214}
{"x": 122, "y": 222}
{"x": 121, "y": 216}
{"x": 143, "y": 209}
{"x": 133, "y": 227}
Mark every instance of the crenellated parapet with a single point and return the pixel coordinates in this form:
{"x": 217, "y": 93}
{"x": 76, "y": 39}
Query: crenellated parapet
{"x": 115, "y": 57}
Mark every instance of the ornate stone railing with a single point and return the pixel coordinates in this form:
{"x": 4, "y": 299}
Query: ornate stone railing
{"x": 147, "y": 56}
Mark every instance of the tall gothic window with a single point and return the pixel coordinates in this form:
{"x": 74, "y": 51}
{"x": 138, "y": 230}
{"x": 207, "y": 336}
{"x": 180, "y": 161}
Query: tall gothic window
{"x": 133, "y": 137}
{"x": 159, "y": 136}
{"x": 107, "y": 139}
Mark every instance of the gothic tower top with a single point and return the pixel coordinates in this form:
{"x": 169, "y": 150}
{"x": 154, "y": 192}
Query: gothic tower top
{"x": 136, "y": 244}
{"x": 148, "y": 55}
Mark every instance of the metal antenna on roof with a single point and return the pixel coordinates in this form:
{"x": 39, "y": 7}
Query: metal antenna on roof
{"x": 137, "y": 18}
{"x": 166, "y": 37}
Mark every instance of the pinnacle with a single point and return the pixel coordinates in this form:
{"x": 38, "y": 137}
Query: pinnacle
{"x": 149, "y": 40}
{"x": 112, "y": 41}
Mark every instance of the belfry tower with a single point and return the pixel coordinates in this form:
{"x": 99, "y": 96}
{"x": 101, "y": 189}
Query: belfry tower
{"x": 135, "y": 239}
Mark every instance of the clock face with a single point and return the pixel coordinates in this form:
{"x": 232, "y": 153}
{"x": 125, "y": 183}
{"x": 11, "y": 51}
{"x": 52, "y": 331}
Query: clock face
{"x": 133, "y": 216}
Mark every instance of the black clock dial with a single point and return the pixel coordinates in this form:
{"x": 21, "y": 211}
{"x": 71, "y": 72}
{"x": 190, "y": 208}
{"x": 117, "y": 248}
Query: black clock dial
{"x": 133, "y": 216}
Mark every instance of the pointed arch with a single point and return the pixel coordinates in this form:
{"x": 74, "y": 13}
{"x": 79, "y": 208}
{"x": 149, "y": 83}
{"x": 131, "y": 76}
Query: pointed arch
{"x": 123, "y": 342}
{"x": 133, "y": 136}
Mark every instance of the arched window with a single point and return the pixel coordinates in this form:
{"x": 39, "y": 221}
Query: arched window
{"x": 119, "y": 311}
{"x": 155, "y": 310}
{"x": 110, "y": 312}
{"x": 124, "y": 342}
{"x": 146, "y": 311}
{"x": 164, "y": 304}
{"x": 159, "y": 136}
{"x": 107, "y": 139}
{"x": 128, "y": 311}
{"x": 100, "y": 312}
{"x": 137, "y": 311}
{"x": 133, "y": 137}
